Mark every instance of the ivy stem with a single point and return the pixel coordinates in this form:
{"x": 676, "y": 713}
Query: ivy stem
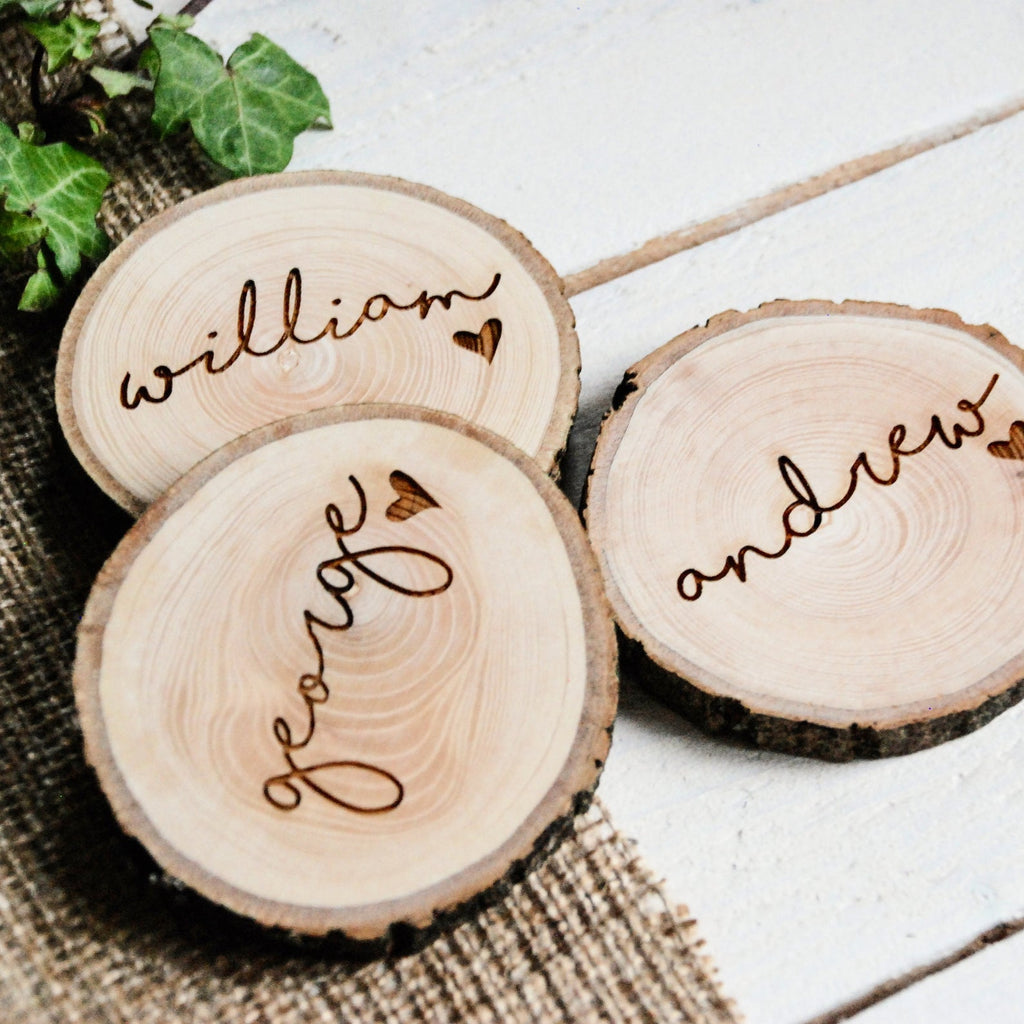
{"x": 35, "y": 92}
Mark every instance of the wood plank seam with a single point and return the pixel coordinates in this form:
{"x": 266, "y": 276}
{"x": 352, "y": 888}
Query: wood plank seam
{"x": 987, "y": 938}
{"x": 847, "y": 173}
{"x": 193, "y": 7}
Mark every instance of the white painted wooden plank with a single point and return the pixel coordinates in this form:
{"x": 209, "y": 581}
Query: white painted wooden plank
{"x": 594, "y": 127}
{"x": 987, "y": 987}
{"x": 813, "y": 883}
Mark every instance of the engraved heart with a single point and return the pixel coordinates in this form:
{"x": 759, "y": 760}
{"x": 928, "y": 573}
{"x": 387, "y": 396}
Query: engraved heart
{"x": 483, "y": 344}
{"x": 412, "y": 498}
{"x": 1012, "y": 448}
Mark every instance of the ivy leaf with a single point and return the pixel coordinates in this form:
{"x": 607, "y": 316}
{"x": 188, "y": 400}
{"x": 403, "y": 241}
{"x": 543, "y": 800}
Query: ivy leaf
{"x": 72, "y": 36}
{"x": 118, "y": 83}
{"x": 18, "y": 232}
{"x": 165, "y": 20}
{"x": 32, "y": 133}
{"x": 245, "y": 115}
{"x": 41, "y": 291}
{"x": 185, "y": 71}
{"x": 33, "y": 8}
{"x": 62, "y": 190}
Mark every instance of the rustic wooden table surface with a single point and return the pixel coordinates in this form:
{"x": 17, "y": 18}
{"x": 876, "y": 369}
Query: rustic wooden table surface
{"x": 673, "y": 160}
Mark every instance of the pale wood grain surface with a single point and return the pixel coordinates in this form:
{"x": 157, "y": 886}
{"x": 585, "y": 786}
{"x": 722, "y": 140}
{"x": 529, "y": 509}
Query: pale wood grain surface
{"x": 595, "y": 128}
{"x": 438, "y": 724}
{"x": 774, "y": 437}
{"x": 160, "y": 366}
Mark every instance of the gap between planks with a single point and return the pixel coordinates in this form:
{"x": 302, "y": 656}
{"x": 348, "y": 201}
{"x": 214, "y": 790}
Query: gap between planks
{"x": 848, "y": 173}
{"x": 890, "y": 988}
{"x": 193, "y": 7}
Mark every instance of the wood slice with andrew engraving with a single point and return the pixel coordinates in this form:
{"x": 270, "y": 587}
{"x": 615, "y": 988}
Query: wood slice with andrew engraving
{"x": 273, "y": 296}
{"x": 810, "y": 522}
{"x": 352, "y": 671}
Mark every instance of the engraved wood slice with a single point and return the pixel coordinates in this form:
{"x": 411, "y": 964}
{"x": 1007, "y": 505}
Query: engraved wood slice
{"x": 353, "y": 670}
{"x": 810, "y": 522}
{"x": 273, "y": 296}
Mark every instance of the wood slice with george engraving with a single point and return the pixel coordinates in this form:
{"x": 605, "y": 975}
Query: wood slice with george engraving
{"x": 351, "y": 672}
{"x": 810, "y": 522}
{"x": 273, "y": 296}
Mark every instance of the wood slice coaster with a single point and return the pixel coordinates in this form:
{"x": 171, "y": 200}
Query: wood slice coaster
{"x": 810, "y": 521}
{"x": 352, "y": 670}
{"x": 273, "y": 296}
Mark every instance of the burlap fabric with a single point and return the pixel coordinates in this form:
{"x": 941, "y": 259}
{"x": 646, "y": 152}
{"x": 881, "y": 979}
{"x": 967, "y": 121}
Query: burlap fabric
{"x": 89, "y": 928}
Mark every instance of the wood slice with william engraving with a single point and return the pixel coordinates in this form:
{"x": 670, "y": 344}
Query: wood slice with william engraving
{"x": 352, "y": 671}
{"x": 810, "y": 522}
{"x": 273, "y": 296}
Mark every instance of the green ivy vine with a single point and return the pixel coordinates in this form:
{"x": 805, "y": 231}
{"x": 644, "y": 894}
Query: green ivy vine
{"x": 245, "y": 115}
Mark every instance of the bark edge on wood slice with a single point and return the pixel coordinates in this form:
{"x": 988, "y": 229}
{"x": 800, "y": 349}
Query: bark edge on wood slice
{"x": 810, "y": 522}
{"x": 351, "y": 674}
{"x": 272, "y": 296}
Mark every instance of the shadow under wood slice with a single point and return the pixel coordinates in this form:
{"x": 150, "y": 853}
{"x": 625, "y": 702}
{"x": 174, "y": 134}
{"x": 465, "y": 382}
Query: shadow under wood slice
{"x": 351, "y": 673}
{"x": 273, "y": 296}
{"x": 810, "y": 523}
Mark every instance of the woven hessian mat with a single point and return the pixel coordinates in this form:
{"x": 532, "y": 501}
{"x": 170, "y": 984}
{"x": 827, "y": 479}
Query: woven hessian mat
{"x": 90, "y": 930}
